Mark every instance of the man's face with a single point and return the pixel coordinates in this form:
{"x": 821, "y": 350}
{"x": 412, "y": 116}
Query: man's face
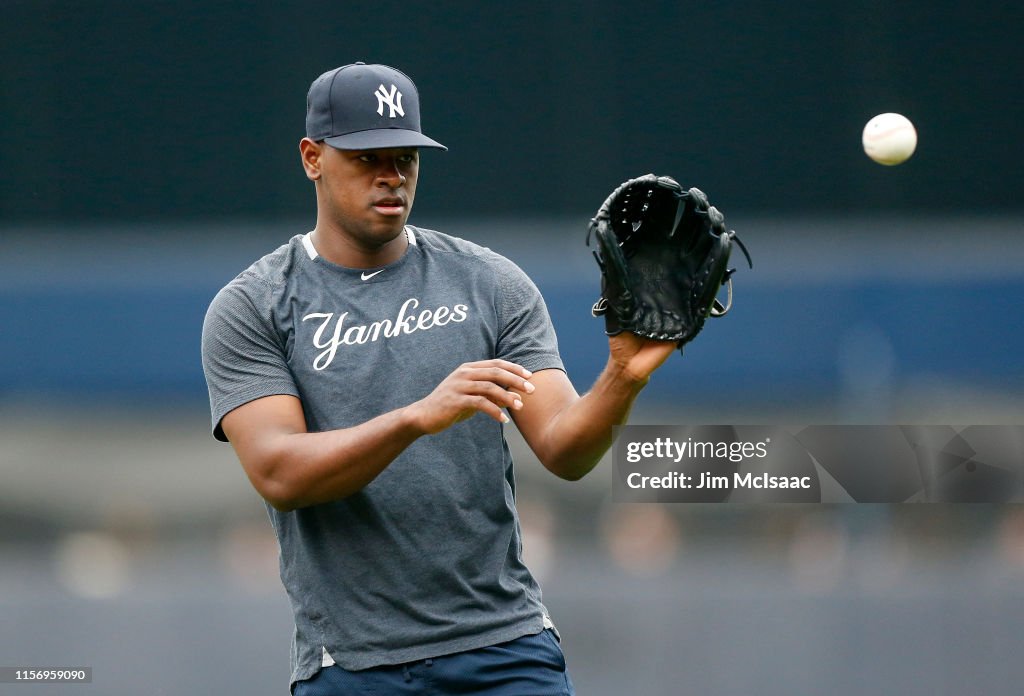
{"x": 368, "y": 194}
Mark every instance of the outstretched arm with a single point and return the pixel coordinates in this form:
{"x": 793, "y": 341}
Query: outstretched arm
{"x": 570, "y": 433}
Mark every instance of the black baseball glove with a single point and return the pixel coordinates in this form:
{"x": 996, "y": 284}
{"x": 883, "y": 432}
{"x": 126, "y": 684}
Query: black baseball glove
{"x": 661, "y": 270}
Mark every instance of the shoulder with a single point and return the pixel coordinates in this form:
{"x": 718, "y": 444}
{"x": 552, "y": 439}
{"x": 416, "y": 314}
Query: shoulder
{"x": 465, "y": 251}
{"x": 512, "y": 290}
{"x": 273, "y": 269}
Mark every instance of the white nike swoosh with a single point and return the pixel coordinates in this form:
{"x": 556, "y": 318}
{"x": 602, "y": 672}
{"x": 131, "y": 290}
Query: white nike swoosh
{"x": 367, "y": 276}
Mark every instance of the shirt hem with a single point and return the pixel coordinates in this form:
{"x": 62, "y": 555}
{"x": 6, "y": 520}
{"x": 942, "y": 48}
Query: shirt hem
{"x": 351, "y": 663}
{"x": 229, "y": 404}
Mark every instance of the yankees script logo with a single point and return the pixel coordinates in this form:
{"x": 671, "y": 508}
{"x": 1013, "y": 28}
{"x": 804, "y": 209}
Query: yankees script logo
{"x": 394, "y": 102}
{"x": 407, "y": 322}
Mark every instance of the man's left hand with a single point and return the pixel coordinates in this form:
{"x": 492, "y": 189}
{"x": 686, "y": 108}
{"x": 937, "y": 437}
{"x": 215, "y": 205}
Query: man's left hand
{"x": 638, "y": 356}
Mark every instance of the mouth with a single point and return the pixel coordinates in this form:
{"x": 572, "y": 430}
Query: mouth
{"x": 389, "y": 206}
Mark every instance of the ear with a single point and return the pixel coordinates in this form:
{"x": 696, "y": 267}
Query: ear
{"x": 310, "y": 152}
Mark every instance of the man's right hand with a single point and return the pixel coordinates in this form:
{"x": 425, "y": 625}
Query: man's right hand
{"x": 485, "y": 386}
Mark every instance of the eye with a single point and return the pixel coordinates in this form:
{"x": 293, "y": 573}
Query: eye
{"x": 368, "y": 157}
{"x": 407, "y": 158}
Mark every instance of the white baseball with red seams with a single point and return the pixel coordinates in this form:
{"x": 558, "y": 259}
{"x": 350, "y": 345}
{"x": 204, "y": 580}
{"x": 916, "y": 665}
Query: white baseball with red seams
{"x": 889, "y": 138}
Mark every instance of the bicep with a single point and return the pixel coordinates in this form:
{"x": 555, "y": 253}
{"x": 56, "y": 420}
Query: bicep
{"x": 256, "y": 430}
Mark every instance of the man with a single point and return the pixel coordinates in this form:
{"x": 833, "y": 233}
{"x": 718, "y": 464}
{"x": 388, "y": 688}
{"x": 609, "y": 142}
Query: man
{"x": 363, "y": 373}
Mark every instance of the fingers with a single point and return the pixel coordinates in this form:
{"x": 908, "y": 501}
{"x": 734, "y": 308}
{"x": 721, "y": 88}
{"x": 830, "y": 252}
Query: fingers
{"x": 501, "y": 397}
{"x": 494, "y": 385}
{"x": 486, "y": 386}
{"x": 497, "y": 371}
{"x": 484, "y": 405}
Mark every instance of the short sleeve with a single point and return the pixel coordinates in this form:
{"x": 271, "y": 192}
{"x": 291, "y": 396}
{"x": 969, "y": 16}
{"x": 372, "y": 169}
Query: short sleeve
{"x": 243, "y": 358}
{"x": 526, "y": 336}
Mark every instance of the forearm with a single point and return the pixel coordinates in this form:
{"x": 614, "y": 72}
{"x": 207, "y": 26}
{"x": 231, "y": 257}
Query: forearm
{"x": 312, "y": 468}
{"x": 292, "y": 468}
{"x": 578, "y": 436}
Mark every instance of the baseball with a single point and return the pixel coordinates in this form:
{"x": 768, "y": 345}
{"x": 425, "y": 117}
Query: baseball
{"x": 889, "y": 139}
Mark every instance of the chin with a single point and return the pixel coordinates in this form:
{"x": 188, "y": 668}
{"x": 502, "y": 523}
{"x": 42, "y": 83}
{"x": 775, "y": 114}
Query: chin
{"x": 385, "y": 233}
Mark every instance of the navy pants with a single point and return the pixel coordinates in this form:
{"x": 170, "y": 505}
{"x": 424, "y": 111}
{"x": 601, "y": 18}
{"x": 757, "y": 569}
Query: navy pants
{"x": 528, "y": 666}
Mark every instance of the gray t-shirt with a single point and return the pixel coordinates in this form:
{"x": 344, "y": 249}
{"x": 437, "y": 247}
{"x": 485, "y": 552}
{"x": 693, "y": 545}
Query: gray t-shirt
{"x": 426, "y": 560}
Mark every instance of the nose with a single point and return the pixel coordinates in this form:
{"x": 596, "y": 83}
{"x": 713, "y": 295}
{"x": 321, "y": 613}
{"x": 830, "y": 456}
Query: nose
{"x": 390, "y": 174}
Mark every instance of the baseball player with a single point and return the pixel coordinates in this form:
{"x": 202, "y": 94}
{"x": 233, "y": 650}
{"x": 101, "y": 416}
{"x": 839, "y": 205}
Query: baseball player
{"x": 363, "y": 373}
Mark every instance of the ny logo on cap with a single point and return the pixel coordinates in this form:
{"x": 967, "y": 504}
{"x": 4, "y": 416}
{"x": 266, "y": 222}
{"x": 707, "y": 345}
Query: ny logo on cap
{"x": 393, "y": 99}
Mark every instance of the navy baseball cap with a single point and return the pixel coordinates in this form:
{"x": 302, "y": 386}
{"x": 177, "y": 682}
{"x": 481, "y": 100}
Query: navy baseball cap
{"x": 364, "y": 107}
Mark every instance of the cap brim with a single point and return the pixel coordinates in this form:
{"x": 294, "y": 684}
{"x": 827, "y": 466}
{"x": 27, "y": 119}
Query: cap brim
{"x": 382, "y": 138}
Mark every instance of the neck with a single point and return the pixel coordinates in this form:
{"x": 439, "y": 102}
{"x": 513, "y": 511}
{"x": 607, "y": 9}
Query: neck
{"x": 348, "y": 251}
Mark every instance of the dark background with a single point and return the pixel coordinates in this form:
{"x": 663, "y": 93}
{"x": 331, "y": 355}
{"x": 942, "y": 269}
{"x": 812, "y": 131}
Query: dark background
{"x": 126, "y": 110}
{"x": 148, "y": 153}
